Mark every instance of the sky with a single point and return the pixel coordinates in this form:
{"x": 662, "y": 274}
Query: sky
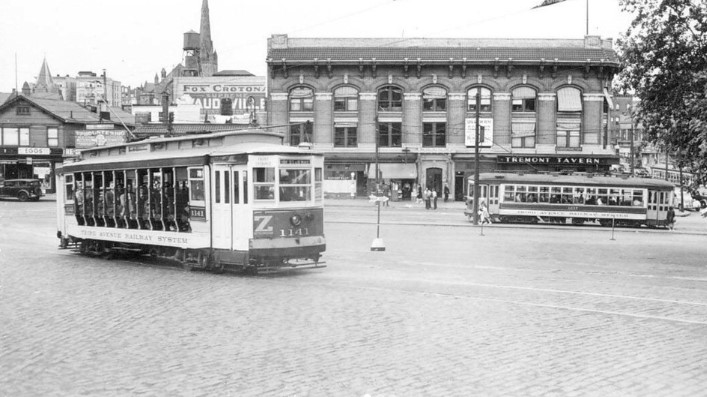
{"x": 134, "y": 39}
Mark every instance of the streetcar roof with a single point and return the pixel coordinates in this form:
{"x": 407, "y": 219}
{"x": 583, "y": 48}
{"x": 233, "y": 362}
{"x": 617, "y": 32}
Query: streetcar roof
{"x": 107, "y": 158}
{"x": 555, "y": 179}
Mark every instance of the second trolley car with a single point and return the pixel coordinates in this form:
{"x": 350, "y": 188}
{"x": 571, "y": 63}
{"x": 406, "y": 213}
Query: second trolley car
{"x": 575, "y": 199}
{"x": 234, "y": 199}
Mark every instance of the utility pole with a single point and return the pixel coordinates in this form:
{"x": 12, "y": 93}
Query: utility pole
{"x": 378, "y": 244}
{"x": 476, "y": 157}
{"x": 630, "y": 163}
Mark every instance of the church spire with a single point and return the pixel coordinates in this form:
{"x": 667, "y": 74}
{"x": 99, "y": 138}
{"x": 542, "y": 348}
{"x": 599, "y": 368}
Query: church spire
{"x": 207, "y": 47}
{"x": 209, "y": 65}
{"x": 44, "y": 80}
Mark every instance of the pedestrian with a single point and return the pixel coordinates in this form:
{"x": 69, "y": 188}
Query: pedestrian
{"x": 419, "y": 195}
{"x": 386, "y": 193}
{"x": 484, "y": 214}
{"x": 671, "y": 218}
{"x": 446, "y": 192}
{"x": 434, "y": 198}
{"x": 427, "y": 196}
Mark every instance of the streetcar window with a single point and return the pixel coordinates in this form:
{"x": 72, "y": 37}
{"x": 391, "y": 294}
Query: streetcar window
{"x": 555, "y": 194}
{"x": 295, "y": 184}
{"x": 217, "y": 187}
{"x": 532, "y": 194}
{"x": 521, "y": 193}
{"x": 544, "y": 194}
{"x": 591, "y": 196}
{"x": 264, "y": 183}
{"x": 196, "y": 184}
{"x": 236, "y": 188}
{"x": 579, "y": 196}
{"x": 602, "y": 196}
{"x": 637, "y": 197}
{"x": 626, "y": 197}
{"x": 508, "y": 193}
{"x": 226, "y": 188}
{"x": 567, "y": 195}
{"x": 69, "y": 187}
{"x": 245, "y": 187}
{"x": 614, "y": 196}
{"x": 318, "y": 194}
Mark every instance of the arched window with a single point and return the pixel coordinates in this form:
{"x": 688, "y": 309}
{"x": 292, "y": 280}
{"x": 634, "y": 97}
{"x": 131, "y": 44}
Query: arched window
{"x": 390, "y": 99}
{"x": 569, "y": 119}
{"x": 523, "y": 99}
{"x": 569, "y": 99}
{"x": 434, "y": 99}
{"x": 485, "y": 99}
{"x": 301, "y": 99}
{"x": 345, "y": 99}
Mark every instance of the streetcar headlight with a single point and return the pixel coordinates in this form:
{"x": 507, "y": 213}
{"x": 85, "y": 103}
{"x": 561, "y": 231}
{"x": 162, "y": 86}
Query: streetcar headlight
{"x": 296, "y": 220}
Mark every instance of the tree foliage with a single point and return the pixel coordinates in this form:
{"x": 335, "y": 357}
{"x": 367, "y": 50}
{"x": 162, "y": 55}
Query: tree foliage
{"x": 664, "y": 62}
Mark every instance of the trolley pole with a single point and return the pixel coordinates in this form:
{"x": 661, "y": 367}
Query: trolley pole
{"x": 476, "y": 157}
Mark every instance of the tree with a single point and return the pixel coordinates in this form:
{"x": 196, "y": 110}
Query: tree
{"x": 664, "y": 62}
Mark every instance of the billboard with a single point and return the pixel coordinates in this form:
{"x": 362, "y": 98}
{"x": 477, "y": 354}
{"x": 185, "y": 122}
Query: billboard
{"x": 243, "y": 94}
{"x": 92, "y": 138}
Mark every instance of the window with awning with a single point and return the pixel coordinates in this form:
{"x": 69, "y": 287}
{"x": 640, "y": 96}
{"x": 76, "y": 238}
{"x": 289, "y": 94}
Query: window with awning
{"x": 569, "y": 99}
{"x": 393, "y": 171}
{"x": 523, "y": 99}
{"x": 523, "y": 135}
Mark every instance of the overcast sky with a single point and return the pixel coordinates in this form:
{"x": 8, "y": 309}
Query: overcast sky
{"x": 134, "y": 39}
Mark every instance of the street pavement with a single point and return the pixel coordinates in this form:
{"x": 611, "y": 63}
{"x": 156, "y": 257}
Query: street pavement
{"x": 448, "y": 309}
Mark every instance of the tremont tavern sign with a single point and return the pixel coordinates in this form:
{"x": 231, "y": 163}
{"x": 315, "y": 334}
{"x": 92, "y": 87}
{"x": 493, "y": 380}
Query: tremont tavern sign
{"x": 558, "y": 160}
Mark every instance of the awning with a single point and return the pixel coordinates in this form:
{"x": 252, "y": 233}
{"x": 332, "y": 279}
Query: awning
{"x": 568, "y": 126}
{"x": 523, "y": 129}
{"x": 393, "y": 171}
{"x": 608, "y": 99}
{"x": 569, "y": 100}
{"x": 523, "y": 93}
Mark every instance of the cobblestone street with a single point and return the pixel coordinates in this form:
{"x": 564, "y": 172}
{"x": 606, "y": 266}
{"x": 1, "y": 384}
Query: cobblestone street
{"x": 444, "y": 311}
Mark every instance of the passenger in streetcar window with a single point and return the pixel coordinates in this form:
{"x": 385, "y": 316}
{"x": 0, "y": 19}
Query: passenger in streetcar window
{"x": 554, "y": 199}
{"x": 532, "y": 198}
{"x": 110, "y": 201}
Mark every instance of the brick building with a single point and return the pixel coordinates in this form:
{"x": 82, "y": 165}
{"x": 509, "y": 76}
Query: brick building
{"x": 543, "y": 106}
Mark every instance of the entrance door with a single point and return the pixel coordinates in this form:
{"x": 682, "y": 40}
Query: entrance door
{"x": 459, "y": 183}
{"x": 221, "y": 218}
{"x": 434, "y": 180}
{"x": 241, "y": 217}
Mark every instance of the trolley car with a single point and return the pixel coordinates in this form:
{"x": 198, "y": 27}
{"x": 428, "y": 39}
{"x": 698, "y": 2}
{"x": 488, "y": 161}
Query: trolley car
{"x": 578, "y": 199}
{"x": 237, "y": 200}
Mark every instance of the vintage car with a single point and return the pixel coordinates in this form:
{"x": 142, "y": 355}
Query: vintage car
{"x": 21, "y": 189}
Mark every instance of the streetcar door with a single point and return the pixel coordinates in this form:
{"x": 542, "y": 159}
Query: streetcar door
{"x": 221, "y": 219}
{"x": 241, "y": 217}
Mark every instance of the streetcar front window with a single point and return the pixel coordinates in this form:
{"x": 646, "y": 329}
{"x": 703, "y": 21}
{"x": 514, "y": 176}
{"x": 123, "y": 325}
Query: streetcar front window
{"x": 295, "y": 184}
{"x": 264, "y": 183}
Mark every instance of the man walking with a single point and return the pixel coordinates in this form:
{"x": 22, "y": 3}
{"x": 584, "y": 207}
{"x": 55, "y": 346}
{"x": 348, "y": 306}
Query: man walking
{"x": 434, "y": 198}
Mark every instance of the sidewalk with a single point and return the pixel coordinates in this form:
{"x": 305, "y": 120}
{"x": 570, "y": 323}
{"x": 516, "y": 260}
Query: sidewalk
{"x": 365, "y": 202}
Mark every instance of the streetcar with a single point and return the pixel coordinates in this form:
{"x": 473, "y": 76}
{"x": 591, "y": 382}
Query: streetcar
{"x": 575, "y": 199}
{"x": 236, "y": 200}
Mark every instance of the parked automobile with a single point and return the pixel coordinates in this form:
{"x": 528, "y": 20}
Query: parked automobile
{"x": 21, "y": 189}
{"x": 683, "y": 200}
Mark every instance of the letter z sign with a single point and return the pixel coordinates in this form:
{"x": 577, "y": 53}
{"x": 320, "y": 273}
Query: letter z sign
{"x": 261, "y": 226}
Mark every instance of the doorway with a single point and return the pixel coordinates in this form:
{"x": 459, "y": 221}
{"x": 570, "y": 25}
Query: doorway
{"x": 434, "y": 180}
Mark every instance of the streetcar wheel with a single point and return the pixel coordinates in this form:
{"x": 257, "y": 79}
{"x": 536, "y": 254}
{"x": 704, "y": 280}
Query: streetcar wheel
{"x": 217, "y": 268}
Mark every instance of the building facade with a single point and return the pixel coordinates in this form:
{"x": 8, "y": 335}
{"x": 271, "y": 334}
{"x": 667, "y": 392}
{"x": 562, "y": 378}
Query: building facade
{"x": 36, "y": 135}
{"x": 542, "y": 105}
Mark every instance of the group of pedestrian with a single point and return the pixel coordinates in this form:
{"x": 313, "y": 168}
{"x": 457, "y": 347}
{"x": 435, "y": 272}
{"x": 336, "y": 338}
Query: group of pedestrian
{"x": 429, "y": 197}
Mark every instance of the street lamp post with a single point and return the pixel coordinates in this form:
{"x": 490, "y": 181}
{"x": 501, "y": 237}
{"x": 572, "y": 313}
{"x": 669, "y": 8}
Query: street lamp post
{"x": 378, "y": 244}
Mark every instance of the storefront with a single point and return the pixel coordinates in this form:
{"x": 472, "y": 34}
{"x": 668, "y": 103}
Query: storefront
{"x": 31, "y": 162}
{"x": 397, "y": 180}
